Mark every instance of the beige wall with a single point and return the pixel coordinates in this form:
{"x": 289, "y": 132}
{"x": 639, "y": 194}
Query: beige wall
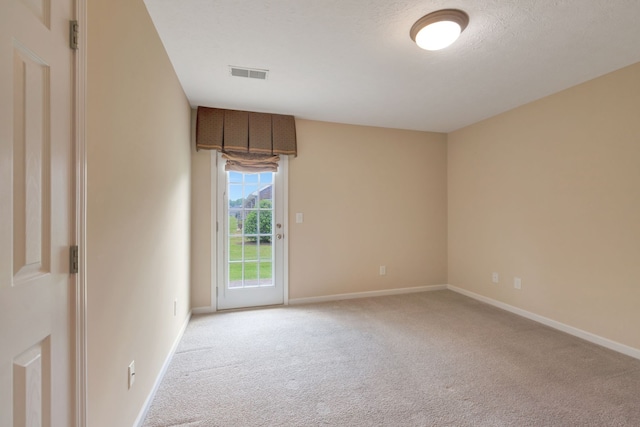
{"x": 363, "y": 207}
{"x": 370, "y": 197}
{"x": 550, "y": 192}
{"x": 202, "y": 209}
{"x": 138, "y": 208}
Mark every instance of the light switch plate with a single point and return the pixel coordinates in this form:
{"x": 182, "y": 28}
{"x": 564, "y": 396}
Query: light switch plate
{"x": 132, "y": 373}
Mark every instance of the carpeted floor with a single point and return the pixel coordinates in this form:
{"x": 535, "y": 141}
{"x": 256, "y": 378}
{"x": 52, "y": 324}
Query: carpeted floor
{"x": 424, "y": 359}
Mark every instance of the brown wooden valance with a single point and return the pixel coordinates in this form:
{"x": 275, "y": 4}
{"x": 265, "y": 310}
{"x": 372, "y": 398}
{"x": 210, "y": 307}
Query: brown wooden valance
{"x": 232, "y": 131}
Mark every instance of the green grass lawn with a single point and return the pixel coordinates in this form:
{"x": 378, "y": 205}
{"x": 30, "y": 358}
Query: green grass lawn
{"x": 250, "y": 270}
{"x": 250, "y": 250}
{"x": 250, "y": 256}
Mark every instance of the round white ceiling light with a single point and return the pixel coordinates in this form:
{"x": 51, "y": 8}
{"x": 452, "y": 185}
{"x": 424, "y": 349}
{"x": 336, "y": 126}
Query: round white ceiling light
{"x": 439, "y": 29}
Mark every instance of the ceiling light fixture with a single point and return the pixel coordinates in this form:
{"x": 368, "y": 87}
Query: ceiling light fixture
{"x": 439, "y": 29}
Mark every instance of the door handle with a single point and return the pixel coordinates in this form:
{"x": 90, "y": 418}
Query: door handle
{"x": 279, "y": 236}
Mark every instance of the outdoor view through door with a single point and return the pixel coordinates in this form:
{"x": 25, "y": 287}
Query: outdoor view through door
{"x": 250, "y": 220}
{"x": 250, "y": 268}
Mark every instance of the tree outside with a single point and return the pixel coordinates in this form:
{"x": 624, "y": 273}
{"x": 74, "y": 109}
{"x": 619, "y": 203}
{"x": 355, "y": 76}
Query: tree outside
{"x": 251, "y": 222}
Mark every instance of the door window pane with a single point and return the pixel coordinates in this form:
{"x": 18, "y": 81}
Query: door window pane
{"x": 250, "y": 273}
{"x": 235, "y": 275}
{"x": 250, "y": 231}
{"x": 266, "y": 273}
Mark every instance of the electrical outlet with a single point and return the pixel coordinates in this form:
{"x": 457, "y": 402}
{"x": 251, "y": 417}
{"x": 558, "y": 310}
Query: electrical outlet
{"x": 383, "y": 270}
{"x": 132, "y": 373}
{"x": 495, "y": 277}
{"x": 517, "y": 283}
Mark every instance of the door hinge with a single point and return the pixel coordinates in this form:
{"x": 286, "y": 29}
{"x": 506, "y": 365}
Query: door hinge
{"x": 74, "y": 28}
{"x": 216, "y": 226}
{"x": 73, "y": 259}
{"x": 216, "y": 291}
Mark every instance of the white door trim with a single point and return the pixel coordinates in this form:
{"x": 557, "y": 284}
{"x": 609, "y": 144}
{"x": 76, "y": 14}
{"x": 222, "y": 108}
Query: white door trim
{"x": 284, "y": 160}
{"x": 218, "y": 261}
{"x": 80, "y": 239}
{"x": 214, "y": 231}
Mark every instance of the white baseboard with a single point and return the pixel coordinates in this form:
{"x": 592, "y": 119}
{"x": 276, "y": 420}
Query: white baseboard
{"x": 337, "y": 297}
{"x": 203, "y": 310}
{"x": 147, "y": 403}
{"x": 587, "y": 336}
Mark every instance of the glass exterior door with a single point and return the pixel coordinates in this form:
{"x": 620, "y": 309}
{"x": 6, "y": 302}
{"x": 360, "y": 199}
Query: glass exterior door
{"x": 250, "y": 239}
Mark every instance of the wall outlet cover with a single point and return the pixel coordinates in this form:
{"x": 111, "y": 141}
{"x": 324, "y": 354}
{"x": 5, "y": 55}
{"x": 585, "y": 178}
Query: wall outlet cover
{"x": 517, "y": 283}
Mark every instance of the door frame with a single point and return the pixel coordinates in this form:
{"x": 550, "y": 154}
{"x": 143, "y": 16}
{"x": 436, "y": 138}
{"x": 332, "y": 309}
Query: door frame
{"x": 217, "y": 226}
{"x": 79, "y": 280}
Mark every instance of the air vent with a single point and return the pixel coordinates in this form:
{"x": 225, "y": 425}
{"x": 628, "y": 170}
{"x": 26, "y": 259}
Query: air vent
{"x": 250, "y": 73}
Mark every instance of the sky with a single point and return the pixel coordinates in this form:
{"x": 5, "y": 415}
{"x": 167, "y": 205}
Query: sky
{"x": 252, "y": 182}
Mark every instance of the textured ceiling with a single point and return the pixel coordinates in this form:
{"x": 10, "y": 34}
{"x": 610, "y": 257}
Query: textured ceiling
{"x": 352, "y": 61}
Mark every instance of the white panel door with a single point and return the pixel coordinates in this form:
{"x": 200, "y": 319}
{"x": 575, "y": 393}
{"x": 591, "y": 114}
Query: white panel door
{"x": 36, "y": 213}
{"x": 251, "y": 237}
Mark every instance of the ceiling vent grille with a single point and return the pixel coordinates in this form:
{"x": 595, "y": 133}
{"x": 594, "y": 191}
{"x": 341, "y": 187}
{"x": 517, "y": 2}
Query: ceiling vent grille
{"x": 250, "y": 73}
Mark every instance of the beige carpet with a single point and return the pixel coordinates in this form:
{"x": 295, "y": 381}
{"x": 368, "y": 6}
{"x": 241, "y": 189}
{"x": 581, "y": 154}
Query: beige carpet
{"x": 426, "y": 359}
